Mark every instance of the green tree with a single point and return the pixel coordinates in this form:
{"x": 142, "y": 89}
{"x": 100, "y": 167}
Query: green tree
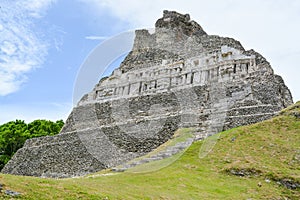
{"x": 14, "y": 134}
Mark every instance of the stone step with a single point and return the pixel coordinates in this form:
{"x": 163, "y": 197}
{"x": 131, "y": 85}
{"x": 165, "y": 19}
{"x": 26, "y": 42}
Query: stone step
{"x": 165, "y": 153}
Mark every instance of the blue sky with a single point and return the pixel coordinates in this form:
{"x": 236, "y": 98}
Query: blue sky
{"x": 43, "y": 43}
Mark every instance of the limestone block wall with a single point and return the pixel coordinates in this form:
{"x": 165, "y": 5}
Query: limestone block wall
{"x": 225, "y": 64}
{"x": 108, "y": 134}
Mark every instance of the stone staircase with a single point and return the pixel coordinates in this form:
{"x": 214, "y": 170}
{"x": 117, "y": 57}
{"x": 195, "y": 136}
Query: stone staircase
{"x": 167, "y": 150}
{"x": 217, "y": 110}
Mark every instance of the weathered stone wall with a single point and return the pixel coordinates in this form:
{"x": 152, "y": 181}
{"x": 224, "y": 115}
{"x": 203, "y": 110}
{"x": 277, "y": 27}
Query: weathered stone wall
{"x": 63, "y": 155}
{"x": 176, "y": 77}
{"x": 102, "y": 134}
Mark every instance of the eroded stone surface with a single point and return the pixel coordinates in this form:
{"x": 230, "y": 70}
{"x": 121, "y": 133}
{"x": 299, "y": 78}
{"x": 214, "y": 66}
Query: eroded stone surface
{"x": 178, "y": 76}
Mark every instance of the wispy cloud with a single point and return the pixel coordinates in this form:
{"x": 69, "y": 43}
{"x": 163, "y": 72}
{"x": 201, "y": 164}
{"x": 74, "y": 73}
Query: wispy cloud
{"x": 36, "y": 8}
{"x": 21, "y": 49}
{"x": 93, "y": 37}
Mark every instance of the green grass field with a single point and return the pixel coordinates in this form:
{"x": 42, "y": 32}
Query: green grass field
{"x": 265, "y": 154}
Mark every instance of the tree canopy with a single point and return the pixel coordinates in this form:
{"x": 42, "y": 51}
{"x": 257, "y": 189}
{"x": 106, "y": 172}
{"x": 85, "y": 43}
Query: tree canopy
{"x": 14, "y": 134}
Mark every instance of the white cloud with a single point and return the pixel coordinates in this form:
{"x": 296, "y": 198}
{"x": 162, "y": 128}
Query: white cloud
{"x": 8, "y": 48}
{"x": 8, "y": 83}
{"x": 270, "y": 27}
{"x": 137, "y": 12}
{"x": 94, "y": 37}
{"x": 21, "y": 49}
{"x": 36, "y": 8}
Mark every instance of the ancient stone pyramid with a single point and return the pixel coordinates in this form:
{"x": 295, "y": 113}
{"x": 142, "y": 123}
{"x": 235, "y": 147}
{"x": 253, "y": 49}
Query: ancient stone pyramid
{"x": 178, "y": 76}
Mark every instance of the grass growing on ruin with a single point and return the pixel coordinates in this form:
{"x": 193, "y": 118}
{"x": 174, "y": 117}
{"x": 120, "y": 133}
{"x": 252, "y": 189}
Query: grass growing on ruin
{"x": 181, "y": 135}
{"x": 265, "y": 153}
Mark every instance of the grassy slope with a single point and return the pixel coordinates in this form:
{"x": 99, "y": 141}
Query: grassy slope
{"x": 270, "y": 148}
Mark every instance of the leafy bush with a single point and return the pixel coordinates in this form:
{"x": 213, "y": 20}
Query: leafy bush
{"x": 14, "y": 134}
